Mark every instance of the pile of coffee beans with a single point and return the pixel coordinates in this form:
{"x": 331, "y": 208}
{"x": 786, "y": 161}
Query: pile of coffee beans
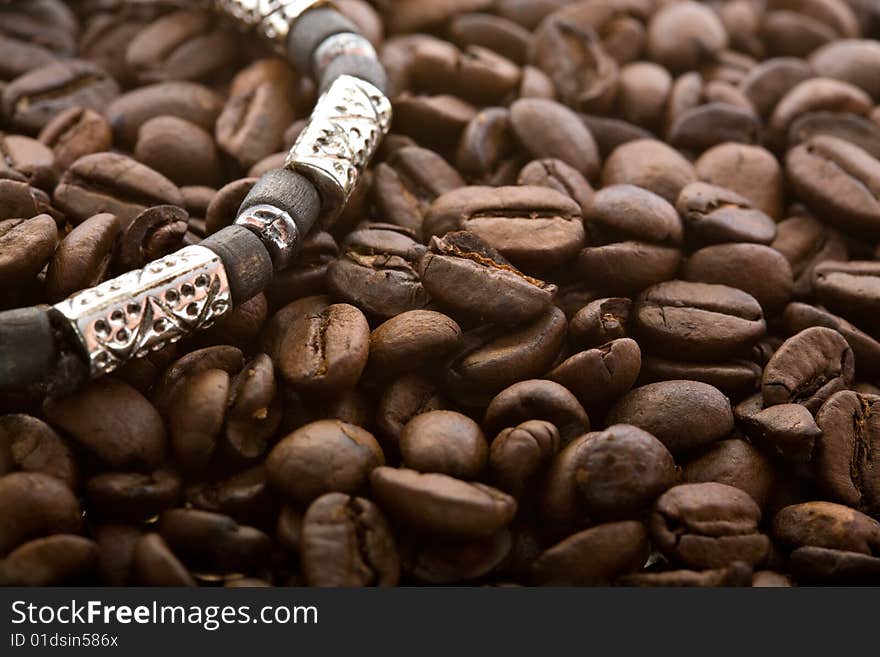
{"x": 605, "y": 310}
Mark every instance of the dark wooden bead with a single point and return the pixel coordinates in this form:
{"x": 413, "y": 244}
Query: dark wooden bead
{"x": 309, "y": 31}
{"x": 288, "y": 191}
{"x": 27, "y": 348}
{"x": 247, "y": 263}
{"x": 359, "y": 66}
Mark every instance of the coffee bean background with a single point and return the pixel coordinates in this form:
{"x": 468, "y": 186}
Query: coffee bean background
{"x": 605, "y": 310}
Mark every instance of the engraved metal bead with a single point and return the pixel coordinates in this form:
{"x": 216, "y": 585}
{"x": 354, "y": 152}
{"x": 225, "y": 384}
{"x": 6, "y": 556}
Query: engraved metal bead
{"x": 271, "y": 19}
{"x": 342, "y": 135}
{"x": 143, "y": 310}
{"x": 276, "y": 229}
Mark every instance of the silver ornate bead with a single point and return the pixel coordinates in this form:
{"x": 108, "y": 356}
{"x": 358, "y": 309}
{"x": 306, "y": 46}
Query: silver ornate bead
{"x": 271, "y": 19}
{"x": 344, "y": 43}
{"x": 276, "y": 229}
{"x": 146, "y": 309}
{"x": 342, "y": 135}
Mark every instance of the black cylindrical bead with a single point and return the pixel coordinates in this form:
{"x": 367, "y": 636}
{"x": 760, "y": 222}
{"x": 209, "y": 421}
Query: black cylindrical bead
{"x": 245, "y": 259}
{"x": 360, "y": 66}
{"x": 289, "y": 191}
{"x": 309, "y": 31}
{"x": 27, "y": 348}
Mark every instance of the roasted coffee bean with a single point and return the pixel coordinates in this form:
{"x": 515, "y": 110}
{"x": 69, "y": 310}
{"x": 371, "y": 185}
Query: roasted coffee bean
{"x": 325, "y": 352}
{"x": 800, "y": 316}
{"x": 346, "y": 541}
{"x": 153, "y": 564}
{"x": 633, "y": 235}
{"x": 846, "y": 464}
{"x": 83, "y": 257}
{"x": 806, "y": 243}
{"x": 223, "y": 208}
{"x": 186, "y": 100}
{"x": 715, "y": 215}
{"x": 599, "y": 376}
{"x": 34, "y": 505}
{"x": 593, "y": 557}
{"x": 757, "y": 269}
{"x": 114, "y": 422}
{"x": 195, "y": 417}
{"x": 226, "y": 358}
{"x": 410, "y": 341}
{"x": 213, "y": 543}
{"x": 407, "y": 397}
{"x": 786, "y": 430}
{"x": 736, "y": 574}
{"x": 826, "y": 163}
{"x": 610, "y": 133}
{"x": 600, "y": 322}
{"x": 51, "y": 561}
{"x": 449, "y": 562}
{"x": 818, "y": 94}
{"x": 132, "y": 496}
{"x": 703, "y": 127}
{"x": 471, "y": 279}
{"x": 30, "y": 445}
{"x": 558, "y": 175}
{"x": 649, "y": 164}
{"x": 181, "y": 45}
{"x": 435, "y": 122}
{"x": 643, "y": 92}
{"x": 308, "y": 275}
{"x": 445, "y": 442}
{"x": 440, "y": 505}
{"x": 849, "y": 127}
{"x": 21, "y": 200}
{"x": 827, "y": 525}
{"x": 736, "y": 463}
{"x": 34, "y": 99}
{"x": 323, "y": 457}
{"x": 681, "y": 414}
{"x": 154, "y": 233}
{"x": 708, "y": 525}
{"x": 244, "y": 496}
{"x": 547, "y": 129}
{"x": 584, "y": 74}
{"x": 75, "y": 133}
{"x": 768, "y": 82}
{"x": 750, "y": 171}
{"x": 822, "y": 566}
{"x": 109, "y": 182}
{"x": 808, "y": 368}
{"x": 534, "y": 227}
{"x": 408, "y": 182}
{"x": 849, "y": 288}
{"x": 376, "y": 271}
{"x": 260, "y": 107}
{"x": 537, "y": 399}
{"x": 180, "y": 150}
{"x": 254, "y": 414}
{"x": 519, "y": 455}
{"x": 493, "y": 32}
{"x": 492, "y": 358}
{"x": 485, "y": 145}
{"x": 698, "y": 321}
{"x": 27, "y": 160}
{"x": 25, "y": 247}
{"x": 681, "y": 34}
{"x": 18, "y": 57}
{"x": 734, "y": 378}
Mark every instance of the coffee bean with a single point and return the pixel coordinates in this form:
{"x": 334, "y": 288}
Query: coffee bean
{"x": 440, "y": 505}
{"x": 708, "y": 525}
{"x": 223, "y": 208}
{"x": 806, "y": 243}
{"x": 508, "y": 218}
{"x": 471, "y": 279}
{"x": 75, "y": 133}
{"x": 30, "y": 445}
{"x": 254, "y": 414}
{"x": 181, "y": 45}
{"x": 703, "y": 127}
{"x": 751, "y": 171}
{"x": 679, "y": 35}
{"x": 846, "y": 465}
{"x": 407, "y": 397}
{"x": 449, "y": 562}
{"x": 519, "y": 455}
{"x": 768, "y": 82}
{"x": 114, "y": 422}
{"x": 485, "y": 145}
{"x": 223, "y": 357}
{"x": 808, "y": 368}
{"x": 346, "y": 541}
{"x": 308, "y": 275}
{"x": 698, "y": 321}
{"x": 18, "y": 57}
{"x": 411, "y": 340}
{"x": 787, "y": 430}
{"x": 494, "y": 32}
{"x": 51, "y": 561}
{"x": 324, "y": 353}
{"x": 848, "y": 127}
{"x": 667, "y": 409}
{"x": 734, "y": 378}
{"x": 153, "y": 564}
{"x": 537, "y": 399}
{"x": 34, "y": 505}
{"x": 35, "y": 98}
{"x": 715, "y": 215}
{"x": 649, "y": 164}
{"x": 196, "y": 415}
{"x": 244, "y": 496}
{"x": 593, "y": 557}
{"x": 601, "y": 375}
{"x": 447, "y": 116}
{"x": 155, "y": 233}
{"x": 323, "y": 457}
{"x": 557, "y": 175}
{"x": 180, "y": 150}
{"x": 25, "y": 247}
{"x": 186, "y": 100}
{"x": 818, "y": 94}
{"x": 82, "y": 259}
{"x": 736, "y": 463}
{"x": 643, "y": 92}
{"x": 821, "y": 566}
{"x": 610, "y": 133}
{"x": 600, "y": 322}
{"x": 827, "y": 525}
{"x": 825, "y": 163}
{"x": 376, "y": 272}
{"x": 445, "y": 442}
{"x": 132, "y": 496}
{"x": 849, "y": 288}
{"x": 109, "y": 182}
{"x": 27, "y": 160}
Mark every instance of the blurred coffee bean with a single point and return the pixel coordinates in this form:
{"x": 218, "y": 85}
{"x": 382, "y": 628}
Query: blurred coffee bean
{"x": 445, "y": 442}
{"x": 736, "y": 463}
{"x": 75, "y": 133}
